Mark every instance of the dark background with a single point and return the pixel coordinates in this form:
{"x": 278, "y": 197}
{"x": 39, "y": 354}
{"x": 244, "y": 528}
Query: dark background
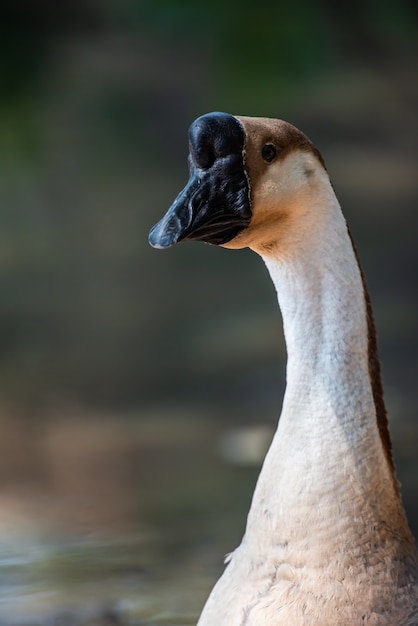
{"x": 138, "y": 389}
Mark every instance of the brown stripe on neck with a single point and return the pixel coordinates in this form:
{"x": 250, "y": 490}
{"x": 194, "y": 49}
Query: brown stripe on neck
{"x": 375, "y": 371}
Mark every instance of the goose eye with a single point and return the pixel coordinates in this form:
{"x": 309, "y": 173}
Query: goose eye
{"x": 268, "y": 152}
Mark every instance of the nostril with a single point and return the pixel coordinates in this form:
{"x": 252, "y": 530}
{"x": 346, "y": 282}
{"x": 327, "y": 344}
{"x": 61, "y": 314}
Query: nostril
{"x": 204, "y": 155}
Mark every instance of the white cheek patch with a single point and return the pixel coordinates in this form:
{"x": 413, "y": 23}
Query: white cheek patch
{"x": 284, "y": 178}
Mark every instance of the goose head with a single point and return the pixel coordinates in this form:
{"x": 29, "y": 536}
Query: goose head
{"x": 250, "y": 182}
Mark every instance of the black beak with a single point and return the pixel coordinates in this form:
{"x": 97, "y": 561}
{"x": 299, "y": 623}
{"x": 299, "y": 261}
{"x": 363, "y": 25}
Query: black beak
{"x": 215, "y": 204}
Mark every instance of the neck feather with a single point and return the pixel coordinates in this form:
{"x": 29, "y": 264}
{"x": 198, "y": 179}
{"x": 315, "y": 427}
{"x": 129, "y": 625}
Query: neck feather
{"x": 333, "y": 423}
{"x": 375, "y": 371}
{"x": 327, "y": 314}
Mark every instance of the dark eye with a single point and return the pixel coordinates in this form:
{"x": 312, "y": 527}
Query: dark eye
{"x": 268, "y": 152}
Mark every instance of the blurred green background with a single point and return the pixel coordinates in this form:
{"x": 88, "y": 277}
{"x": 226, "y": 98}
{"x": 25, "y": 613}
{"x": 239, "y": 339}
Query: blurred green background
{"x": 139, "y": 389}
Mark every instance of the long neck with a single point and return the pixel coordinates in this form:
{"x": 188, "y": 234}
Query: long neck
{"x": 332, "y": 356}
{"x": 331, "y": 456}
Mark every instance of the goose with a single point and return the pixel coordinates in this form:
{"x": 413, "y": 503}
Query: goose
{"x": 327, "y": 542}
